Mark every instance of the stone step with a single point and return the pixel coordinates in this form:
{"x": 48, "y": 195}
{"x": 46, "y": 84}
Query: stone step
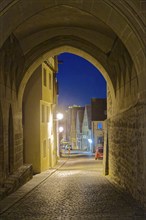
{"x": 14, "y": 181}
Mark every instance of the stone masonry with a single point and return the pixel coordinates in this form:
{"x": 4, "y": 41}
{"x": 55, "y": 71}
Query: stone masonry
{"x": 109, "y": 34}
{"x": 127, "y": 150}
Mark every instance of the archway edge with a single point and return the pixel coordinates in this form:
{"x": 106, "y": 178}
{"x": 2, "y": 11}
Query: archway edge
{"x": 57, "y": 51}
{"x": 112, "y": 11}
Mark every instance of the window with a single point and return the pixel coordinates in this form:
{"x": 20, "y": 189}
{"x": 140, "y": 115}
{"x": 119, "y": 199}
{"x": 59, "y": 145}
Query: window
{"x": 50, "y": 86}
{"x": 99, "y": 125}
{"x": 43, "y": 113}
{"x": 48, "y": 113}
{"x": 100, "y": 140}
{"x": 44, "y": 148}
{"x": 45, "y": 77}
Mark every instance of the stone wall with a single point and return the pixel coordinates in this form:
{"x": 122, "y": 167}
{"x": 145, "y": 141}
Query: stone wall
{"x": 17, "y": 179}
{"x": 11, "y": 132}
{"x": 124, "y": 78}
{"x": 1, "y": 147}
{"x": 18, "y": 150}
{"x": 109, "y": 104}
{"x": 127, "y": 150}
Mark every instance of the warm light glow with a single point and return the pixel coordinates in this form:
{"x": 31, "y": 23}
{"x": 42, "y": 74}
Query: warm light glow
{"x": 90, "y": 141}
{"x": 59, "y": 116}
{"x": 60, "y": 129}
{"x": 49, "y": 128}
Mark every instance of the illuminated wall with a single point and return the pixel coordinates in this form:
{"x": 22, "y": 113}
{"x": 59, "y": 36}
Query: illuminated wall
{"x": 38, "y": 118}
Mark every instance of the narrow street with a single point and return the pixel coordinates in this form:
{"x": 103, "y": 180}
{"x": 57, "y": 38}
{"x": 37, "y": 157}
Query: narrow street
{"x": 76, "y": 190}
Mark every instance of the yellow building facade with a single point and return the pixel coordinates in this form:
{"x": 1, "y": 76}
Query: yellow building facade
{"x": 38, "y": 113}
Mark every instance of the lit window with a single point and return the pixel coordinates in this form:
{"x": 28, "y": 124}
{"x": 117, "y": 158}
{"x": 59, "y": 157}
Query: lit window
{"x": 99, "y": 125}
{"x": 45, "y": 77}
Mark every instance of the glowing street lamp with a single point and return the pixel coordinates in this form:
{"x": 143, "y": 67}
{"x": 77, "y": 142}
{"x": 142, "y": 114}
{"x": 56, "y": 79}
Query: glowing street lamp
{"x": 59, "y": 116}
{"x": 90, "y": 141}
{"x": 60, "y": 129}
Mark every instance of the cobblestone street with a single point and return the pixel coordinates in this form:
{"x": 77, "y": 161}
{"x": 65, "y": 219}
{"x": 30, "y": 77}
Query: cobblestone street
{"x": 76, "y": 190}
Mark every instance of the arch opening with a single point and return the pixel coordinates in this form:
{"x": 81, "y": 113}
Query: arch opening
{"x": 29, "y": 80}
{"x": 60, "y": 50}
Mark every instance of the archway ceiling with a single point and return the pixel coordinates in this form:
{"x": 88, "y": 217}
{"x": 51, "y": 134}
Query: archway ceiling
{"x": 64, "y": 20}
{"x": 93, "y": 25}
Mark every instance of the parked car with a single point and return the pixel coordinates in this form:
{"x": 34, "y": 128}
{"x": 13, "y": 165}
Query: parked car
{"x": 99, "y": 153}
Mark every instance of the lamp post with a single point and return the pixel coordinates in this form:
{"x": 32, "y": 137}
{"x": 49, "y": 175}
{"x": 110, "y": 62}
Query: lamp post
{"x": 59, "y": 117}
{"x": 60, "y": 130}
{"x": 90, "y": 142}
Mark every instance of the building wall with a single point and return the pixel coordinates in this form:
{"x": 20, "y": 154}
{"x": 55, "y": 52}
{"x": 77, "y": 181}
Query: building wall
{"x": 98, "y": 109}
{"x": 79, "y": 122}
{"x": 38, "y": 118}
{"x": 31, "y": 125}
{"x": 45, "y": 135}
{"x": 78, "y": 133}
{"x": 71, "y": 125}
{"x": 97, "y": 133}
{"x": 46, "y": 123}
{"x": 47, "y": 82}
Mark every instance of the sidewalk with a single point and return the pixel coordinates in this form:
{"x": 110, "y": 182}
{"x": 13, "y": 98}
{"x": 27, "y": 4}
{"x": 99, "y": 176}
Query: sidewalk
{"x": 13, "y": 198}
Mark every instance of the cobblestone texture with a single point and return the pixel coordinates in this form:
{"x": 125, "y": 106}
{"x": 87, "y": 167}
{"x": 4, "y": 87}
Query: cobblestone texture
{"x": 77, "y": 190}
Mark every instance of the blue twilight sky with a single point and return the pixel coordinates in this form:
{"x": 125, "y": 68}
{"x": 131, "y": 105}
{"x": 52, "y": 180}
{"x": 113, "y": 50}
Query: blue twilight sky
{"x": 79, "y": 81}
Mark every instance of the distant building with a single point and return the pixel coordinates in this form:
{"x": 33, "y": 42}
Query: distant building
{"x": 98, "y": 115}
{"x": 79, "y": 122}
{"x": 86, "y": 129}
{"x": 71, "y": 116}
{"x": 40, "y": 100}
{"x": 85, "y": 125}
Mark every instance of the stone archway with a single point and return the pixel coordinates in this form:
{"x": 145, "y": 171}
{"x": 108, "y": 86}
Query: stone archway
{"x": 100, "y": 23}
{"x": 10, "y": 142}
{"x": 1, "y": 147}
{"x": 110, "y": 34}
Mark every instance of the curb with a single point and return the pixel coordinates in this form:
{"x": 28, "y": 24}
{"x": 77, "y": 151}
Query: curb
{"x": 24, "y": 190}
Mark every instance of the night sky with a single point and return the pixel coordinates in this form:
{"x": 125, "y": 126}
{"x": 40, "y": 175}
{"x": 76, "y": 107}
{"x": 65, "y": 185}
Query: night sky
{"x": 79, "y": 81}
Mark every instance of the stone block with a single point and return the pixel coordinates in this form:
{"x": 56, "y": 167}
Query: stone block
{"x": 14, "y": 181}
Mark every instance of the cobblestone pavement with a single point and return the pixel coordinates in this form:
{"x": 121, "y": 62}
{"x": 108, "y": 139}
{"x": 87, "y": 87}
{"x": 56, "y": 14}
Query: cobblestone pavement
{"x": 77, "y": 190}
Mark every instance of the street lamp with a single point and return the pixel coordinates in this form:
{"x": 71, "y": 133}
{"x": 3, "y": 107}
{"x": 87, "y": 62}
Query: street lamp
{"x": 60, "y": 129}
{"x": 59, "y": 116}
